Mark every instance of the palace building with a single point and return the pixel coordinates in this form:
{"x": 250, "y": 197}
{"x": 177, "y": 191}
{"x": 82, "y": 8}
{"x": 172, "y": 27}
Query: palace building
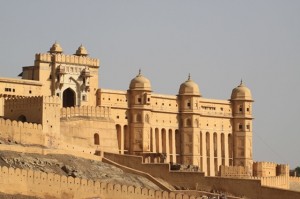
{"x": 57, "y": 104}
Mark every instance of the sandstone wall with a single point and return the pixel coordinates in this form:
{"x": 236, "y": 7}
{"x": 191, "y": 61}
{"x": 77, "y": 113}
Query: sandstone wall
{"x": 251, "y": 188}
{"x": 49, "y": 185}
{"x": 22, "y": 132}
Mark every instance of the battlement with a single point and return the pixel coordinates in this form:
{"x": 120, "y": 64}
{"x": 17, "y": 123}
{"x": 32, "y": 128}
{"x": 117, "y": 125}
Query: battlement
{"x": 87, "y": 111}
{"x": 31, "y": 100}
{"x": 69, "y": 59}
{"x": 234, "y": 171}
{"x": 14, "y": 123}
{"x": 36, "y": 183}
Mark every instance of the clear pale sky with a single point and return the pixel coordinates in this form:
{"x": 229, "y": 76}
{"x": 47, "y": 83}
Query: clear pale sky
{"x": 218, "y": 42}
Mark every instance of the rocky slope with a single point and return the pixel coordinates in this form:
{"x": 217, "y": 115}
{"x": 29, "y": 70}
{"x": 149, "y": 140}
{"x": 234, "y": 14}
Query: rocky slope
{"x": 72, "y": 166}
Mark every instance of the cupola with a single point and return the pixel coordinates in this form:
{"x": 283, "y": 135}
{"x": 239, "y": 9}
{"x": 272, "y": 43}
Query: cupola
{"x": 189, "y": 87}
{"x": 81, "y": 51}
{"x": 140, "y": 83}
{"x": 56, "y": 48}
{"x": 241, "y": 92}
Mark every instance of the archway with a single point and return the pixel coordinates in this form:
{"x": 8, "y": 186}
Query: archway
{"x": 69, "y": 98}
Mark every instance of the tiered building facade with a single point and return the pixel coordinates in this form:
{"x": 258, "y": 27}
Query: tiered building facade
{"x": 59, "y": 100}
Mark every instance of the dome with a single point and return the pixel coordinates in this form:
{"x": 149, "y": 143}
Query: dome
{"x": 56, "y": 48}
{"x": 189, "y": 87}
{"x": 140, "y": 83}
{"x": 241, "y": 92}
{"x": 81, "y": 51}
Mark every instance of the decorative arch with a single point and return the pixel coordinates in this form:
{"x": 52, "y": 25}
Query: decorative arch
{"x": 188, "y": 122}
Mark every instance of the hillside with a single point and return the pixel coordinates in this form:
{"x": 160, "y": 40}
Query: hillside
{"x": 73, "y": 166}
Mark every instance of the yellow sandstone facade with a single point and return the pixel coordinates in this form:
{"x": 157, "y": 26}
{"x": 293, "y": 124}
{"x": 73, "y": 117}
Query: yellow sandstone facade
{"x": 57, "y": 104}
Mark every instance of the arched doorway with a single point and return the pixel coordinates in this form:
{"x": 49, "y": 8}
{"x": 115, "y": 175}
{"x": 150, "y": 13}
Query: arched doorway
{"x": 68, "y": 98}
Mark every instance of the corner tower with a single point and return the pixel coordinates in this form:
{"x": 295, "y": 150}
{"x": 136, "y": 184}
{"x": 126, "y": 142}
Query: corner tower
{"x": 241, "y": 100}
{"x": 139, "y": 99}
{"x": 188, "y": 100}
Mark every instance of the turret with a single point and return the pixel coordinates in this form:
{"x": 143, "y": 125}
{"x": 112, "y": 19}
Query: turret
{"x": 139, "y": 99}
{"x": 241, "y": 100}
{"x": 188, "y": 100}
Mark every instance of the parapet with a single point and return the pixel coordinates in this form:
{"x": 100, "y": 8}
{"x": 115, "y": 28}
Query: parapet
{"x": 69, "y": 59}
{"x": 85, "y": 111}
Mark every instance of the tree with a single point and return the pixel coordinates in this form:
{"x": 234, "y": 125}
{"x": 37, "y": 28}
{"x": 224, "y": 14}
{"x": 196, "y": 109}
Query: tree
{"x": 297, "y": 169}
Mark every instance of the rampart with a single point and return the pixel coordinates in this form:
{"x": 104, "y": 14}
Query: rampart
{"x": 233, "y": 171}
{"x": 31, "y": 109}
{"x": 249, "y": 187}
{"x": 85, "y": 111}
{"x": 70, "y": 59}
{"x": 22, "y": 132}
{"x": 294, "y": 179}
{"x": 49, "y": 185}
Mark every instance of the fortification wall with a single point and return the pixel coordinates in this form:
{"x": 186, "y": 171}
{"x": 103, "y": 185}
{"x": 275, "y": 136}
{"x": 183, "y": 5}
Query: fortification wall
{"x": 22, "y": 132}
{"x": 294, "y": 179}
{"x": 30, "y": 107}
{"x": 46, "y": 185}
{"x": 85, "y": 111}
{"x": 70, "y": 59}
{"x": 264, "y": 169}
{"x": 281, "y": 182}
{"x": 89, "y": 133}
{"x": 251, "y": 187}
{"x": 234, "y": 171}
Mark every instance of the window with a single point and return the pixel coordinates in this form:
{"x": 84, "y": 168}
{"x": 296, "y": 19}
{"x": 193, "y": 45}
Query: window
{"x": 96, "y": 139}
{"x": 248, "y": 109}
{"x": 83, "y": 97}
{"x": 248, "y": 127}
{"x": 240, "y": 127}
{"x": 189, "y": 104}
{"x": 241, "y": 109}
{"x": 29, "y": 91}
{"x": 139, "y": 100}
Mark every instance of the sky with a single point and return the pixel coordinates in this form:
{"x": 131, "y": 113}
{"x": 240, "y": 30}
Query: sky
{"x": 217, "y": 42}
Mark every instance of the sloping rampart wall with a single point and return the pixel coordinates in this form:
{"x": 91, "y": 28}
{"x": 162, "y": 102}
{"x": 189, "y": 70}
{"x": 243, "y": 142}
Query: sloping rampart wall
{"x": 251, "y": 188}
{"x": 46, "y": 185}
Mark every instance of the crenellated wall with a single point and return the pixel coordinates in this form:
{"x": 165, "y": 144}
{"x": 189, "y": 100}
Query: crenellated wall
{"x": 85, "y": 111}
{"x": 46, "y": 185}
{"x": 22, "y": 132}
{"x": 252, "y": 187}
{"x": 70, "y": 59}
{"x": 233, "y": 171}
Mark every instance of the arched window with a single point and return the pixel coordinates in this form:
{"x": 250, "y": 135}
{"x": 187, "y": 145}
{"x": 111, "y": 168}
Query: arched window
{"x": 188, "y": 122}
{"x": 138, "y": 117}
{"x": 147, "y": 118}
{"x": 96, "y": 139}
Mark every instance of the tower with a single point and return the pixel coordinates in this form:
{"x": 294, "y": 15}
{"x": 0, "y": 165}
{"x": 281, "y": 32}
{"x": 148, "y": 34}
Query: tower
{"x": 73, "y": 78}
{"x": 139, "y": 98}
{"x": 241, "y": 100}
{"x": 188, "y": 100}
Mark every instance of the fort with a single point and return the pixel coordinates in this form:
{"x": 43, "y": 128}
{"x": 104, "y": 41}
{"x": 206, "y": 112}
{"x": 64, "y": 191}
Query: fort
{"x": 56, "y": 105}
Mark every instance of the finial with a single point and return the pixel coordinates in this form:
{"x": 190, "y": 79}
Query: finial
{"x": 140, "y": 71}
{"x": 189, "y": 78}
{"x": 241, "y": 80}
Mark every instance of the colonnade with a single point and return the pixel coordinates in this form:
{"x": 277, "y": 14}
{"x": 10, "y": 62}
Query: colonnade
{"x": 215, "y": 148}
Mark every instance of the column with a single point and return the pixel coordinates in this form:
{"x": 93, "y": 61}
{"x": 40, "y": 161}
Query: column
{"x": 226, "y": 149}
